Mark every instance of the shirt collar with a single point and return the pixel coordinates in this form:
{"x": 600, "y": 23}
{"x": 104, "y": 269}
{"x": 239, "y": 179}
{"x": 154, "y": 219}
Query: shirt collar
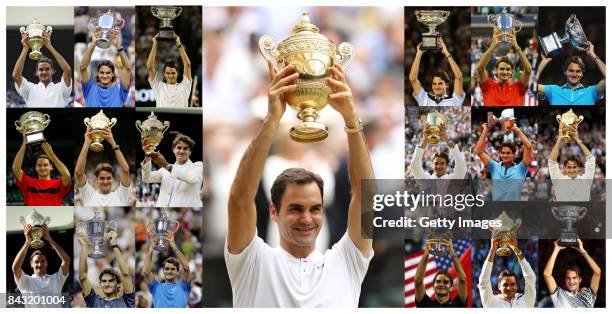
{"x": 38, "y": 277}
{"x": 43, "y": 85}
{"x": 313, "y": 257}
{"x": 433, "y": 97}
{"x": 566, "y": 86}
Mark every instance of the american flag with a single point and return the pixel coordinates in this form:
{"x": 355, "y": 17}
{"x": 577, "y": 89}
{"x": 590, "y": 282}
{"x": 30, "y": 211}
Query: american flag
{"x": 434, "y": 263}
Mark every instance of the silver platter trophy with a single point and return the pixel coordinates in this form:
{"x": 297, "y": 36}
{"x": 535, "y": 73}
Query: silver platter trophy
{"x": 95, "y": 229}
{"x": 105, "y": 23}
{"x": 507, "y": 23}
{"x": 36, "y": 220}
{"x": 431, "y": 19}
{"x": 569, "y": 215}
{"x": 166, "y": 14}
{"x": 574, "y": 36}
{"x": 160, "y": 226}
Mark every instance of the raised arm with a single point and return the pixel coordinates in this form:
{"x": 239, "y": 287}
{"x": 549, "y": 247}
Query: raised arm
{"x": 484, "y": 280}
{"x": 554, "y": 153}
{"x": 183, "y": 260}
{"x": 525, "y": 65}
{"x": 126, "y": 72}
{"x": 359, "y": 164}
{"x": 63, "y": 64}
{"x": 416, "y": 164}
{"x": 85, "y": 284}
{"x": 419, "y": 276}
{"x": 594, "y": 267}
{"x": 242, "y": 213}
{"x": 84, "y": 66}
{"x": 550, "y": 265}
{"x": 58, "y": 249}
{"x": 184, "y": 58}
{"x": 126, "y": 278}
{"x": 545, "y": 61}
{"x": 18, "y": 161}
{"x": 481, "y": 67}
{"x": 462, "y": 284}
{"x": 576, "y": 137}
{"x": 79, "y": 171}
{"x": 148, "y": 260}
{"x": 528, "y": 273}
{"x": 151, "y": 59}
{"x": 601, "y": 86}
{"x": 123, "y": 164}
{"x": 18, "y": 69}
{"x": 413, "y": 76}
{"x": 23, "y": 252}
{"x": 59, "y": 165}
{"x": 458, "y": 85}
{"x": 480, "y": 146}
{"x": 527, "y": 147}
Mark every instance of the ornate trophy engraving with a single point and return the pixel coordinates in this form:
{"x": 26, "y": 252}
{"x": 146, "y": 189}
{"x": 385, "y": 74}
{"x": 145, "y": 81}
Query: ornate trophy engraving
{"x": 95, "y": 229}
{"x": 152, "y": 130}
{"x": 32, "y": 124}
{"x": 507, "y": 23}
{"x": 35, "y": 38}
{"x": 36, "y": 220}
{"x": 435, "y": 120}
{"x": 431, "y": 19}
{"x": 506, "y": 119}
{"x": 505, "y": 233}
{"x": 569, "y": 215}
{"x": 166, "y": 14}
{"x": 574, "y": 36}
{"x": 159, "y": 227}
{"x": 569, "y": 119}
{"x": 312, "y": 54}
{"x": 98, "y": 123}
{"x": 105, "y": 23}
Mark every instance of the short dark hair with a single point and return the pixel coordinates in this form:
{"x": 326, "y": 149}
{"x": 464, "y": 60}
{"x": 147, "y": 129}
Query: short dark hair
{"x": 509, "y": 145}
{"x": 109, "y": 64}
{"x": 574, "y": 268}
{"x": 45, "y": 60}
{"x": 573, "y": 59}
{"x": 293, "y": 175}
{"x": 185, "y": 139}
{"x": 43, "y": 156}
{"x": 172, "y": 261}
{"x": 38, "y": 252}
{"x": 442, "y": 75}
{"x": 104, "y": 167}
{"x": 441, "y": 155}
{"x": 445, "y": 273}
{"x": 170, "y": 64}
{"x": 574, "y": 159}
{"x": 504, "y": 59}
{"x": 506, "y": 273}
{"x": 111, "y": 272}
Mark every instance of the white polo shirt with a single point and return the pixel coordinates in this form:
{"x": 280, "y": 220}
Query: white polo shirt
{"x": 572, "y": 190}
{"x": 92, "y": 198}
{"x": 425, "y": 99}
{"x": 174, "y": 96}
{"x": 262, "y": 276}
{"x": 46, "y": 285}
{"x": 416, "y": 165}
{"x": 40, "y": 96}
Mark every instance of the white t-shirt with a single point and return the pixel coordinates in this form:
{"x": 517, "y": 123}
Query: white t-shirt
{"x": 175, "y": 95}
{"x": 572, "y": 190}
{"x": 44, "y": 286}
{"x": 40, "y": 96}
{"x": 419, "y": 173}
{"x": 424, "y": 99}
{"x": 91, "y": 197}
{"x": 262, "y": 276}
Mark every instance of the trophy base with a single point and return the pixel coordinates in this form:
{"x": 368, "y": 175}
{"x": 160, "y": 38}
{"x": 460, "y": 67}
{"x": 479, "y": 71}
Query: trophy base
{"x": 439, "y": 253}
{"x": 96, "y": 255}
{"x": 35, "y": 55}
{"x": 430, "y": 42}
{"x": 37, "y": 244}
{"x": 166, "y": 34}
{"x": 568, "y": 239}
{"x": 309, "y": 132}
{"x": 551, "y": 45}
{"x": 34, "y": 138}
{"x": 503, "y": 251}
{"x": 103, "y": 43}
{"x": 434, "y": 139}
{"x": 148, "y": 154}
{"x": 96, "y": 147}
{"x": 566, "y": 138}
{"x": 160, "y": 248}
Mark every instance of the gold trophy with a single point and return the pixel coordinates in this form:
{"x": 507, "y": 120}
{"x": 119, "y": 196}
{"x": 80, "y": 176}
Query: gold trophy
{"x": 312, "y": 54}
{"x": 32, "y": 124}
{"x": 166, "y": 14}
{"x": 152, "y": 130}
{"x": 568, "y": 120}
{"x": 505, "y": 233}
{"x": 435, "y": 120}
{"x": 35, "y": 38}
{"x": 98, "y": 123}
{"x": 36, "y": 220}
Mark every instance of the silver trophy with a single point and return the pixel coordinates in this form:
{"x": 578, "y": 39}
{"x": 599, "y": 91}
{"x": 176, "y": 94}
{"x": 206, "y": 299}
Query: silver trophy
{"x": 507, "y": 23}
{"x": 166, "y": 14}
{"x": 505, "y": 233}
{"x": 32, "y": 124}
{"x": 160, "y": 226}
{"x": 431, "y": 19}
{"x": 574, "y": 36}
{"x": 105, "y": 23}
{"x": 95, "y": 229}
{"x": 36, "y": 220}
{"x": 569, "y": 215}
{"x": 506, "y": 119}
{"x": 35, "y": 38}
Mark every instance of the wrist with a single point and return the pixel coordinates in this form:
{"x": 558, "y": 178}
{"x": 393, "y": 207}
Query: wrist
{"x": 120, "y": 49}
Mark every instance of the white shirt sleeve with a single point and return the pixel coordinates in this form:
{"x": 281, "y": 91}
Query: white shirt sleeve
{"x": 416, "y": 164}
{"x": 86, "y": 192}
{"x": 589, "y": 168}
{"x": 243, "y": 268}
{"x": 484, "y": 284}
{"x": 24, "y": 89}
{"x": 149, "y": 176}
{"x": 530, "y": 283}
{"x": 421, "y": 97}
{"x": 458, "y": 100}
{"x": 66, "y": 90}
{"x": 191, "y": 174}
{"x": 186, "y": 86}
{"x": 356, "y": 262}
{"x": 123, "y": 193}
{"x": 460, "y": 164}
{"x": 553, "y": 169}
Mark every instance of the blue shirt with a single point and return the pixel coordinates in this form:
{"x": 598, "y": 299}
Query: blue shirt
{"x": 563, "y": 95}
{"x": 98, "y": 96}
{"x": 94, "y": 300}
{"x": 507, "y": 183}
{"x": 170, "y": 294}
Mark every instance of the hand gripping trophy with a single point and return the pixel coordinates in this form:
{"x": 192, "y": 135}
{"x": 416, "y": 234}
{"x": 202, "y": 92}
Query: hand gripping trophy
{"x": 568, "y": 120}
{"x": 159, "y": 227}
{"x": 98, "y": 123}
{"x": 504, "y": 234}
{"x": 36, "y": 220}
{"x": 507, "y": 23}
{"x": 35, "y": 38}
{"x": 312, "y": 54}
{"x": 152, "y": 130}
{"x": 436, "y": 121}
{"x": 104, "y": 24}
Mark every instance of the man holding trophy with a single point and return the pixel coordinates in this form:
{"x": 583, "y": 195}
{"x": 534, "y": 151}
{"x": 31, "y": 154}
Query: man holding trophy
{"x": 504, "y": 91}
{"x": 168, "y": 92}
{"x": 40, "y": 282}
{"x": 506, "y": 280}
{"x": 172, "y": 292}
{"x": 43, "y": 190}
{"x": 572, "y": 295}
{"x": 45, "y": 93}
{"x": 440, "y": 159}
{"x": 102, "y": 194}
{"x": 105, "y": 90}
{"x": 439, "y": 82}
{"x": 117, "y": 290}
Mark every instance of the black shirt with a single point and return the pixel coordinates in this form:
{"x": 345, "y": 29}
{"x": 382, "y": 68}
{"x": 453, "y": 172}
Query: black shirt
{"x": 428, "y": 302}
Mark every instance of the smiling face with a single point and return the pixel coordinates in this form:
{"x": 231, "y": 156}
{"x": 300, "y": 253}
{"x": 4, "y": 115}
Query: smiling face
{"x": 571, "y": 169}
{"x": 507, "y": 286}
{"x": 573, "y": 74}
{"x": 170, "y": 75}
{"x": 170, "y": 272}
{"x": 507, "y": 155}
{"x": 504, "y": 72}
{"x": 442, "y": 285}
{"x": 438, "y": 86}
{"x": 182, "y": 152}
{"x": 105, "y": 76}
{"x": 104, "y": 181}
{"x": 109, "y": 284}
{"x": 572, "y": 281}
{"x": 39, "y": 265}
{"x": 43, "y": 168}
{"x": 300, "y": 217}
{"x": 44, "y": 72}
{"x": 440, "y": 166}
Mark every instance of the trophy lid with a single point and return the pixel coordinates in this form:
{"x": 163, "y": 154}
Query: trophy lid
{"x": 305, "y": 25}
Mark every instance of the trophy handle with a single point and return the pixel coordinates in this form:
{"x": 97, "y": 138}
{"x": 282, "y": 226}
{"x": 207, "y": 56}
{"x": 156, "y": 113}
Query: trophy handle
{"x": 175, "y": 226}
{"x": 22, "y": 30}
{"x": 492, "y": 18}
{"x": 580, "y": 118}
{"x": 583, "y": 211}
{"x": 113, "y": 121}
{"x": 346, "y": 52}
{"x": 22, "y": 220}
{"x": 518, "y": 24}
{"x": 47, "y": 220}
{"x": 93, "y": 24}
{"x": 49, "y": 30}
{"x": 86, "y": 121}
{"x": 179, "y": 10}
{"x": 47, "y": 120}
{"x": 559, "y": 118}
{"x": 166, "y": 127}
{"x": 154, "y": 11}
{"x": 555, "y": 213}
{"x": 119, "y": 23}
{"x": 139, "y": 126}
{"x": 18, "y": 125}
{"x": 266, "y": 47}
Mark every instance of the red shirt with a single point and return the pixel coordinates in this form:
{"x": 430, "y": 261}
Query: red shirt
{"x": 38, "y": 192}
{"x": 508, "y": 94}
